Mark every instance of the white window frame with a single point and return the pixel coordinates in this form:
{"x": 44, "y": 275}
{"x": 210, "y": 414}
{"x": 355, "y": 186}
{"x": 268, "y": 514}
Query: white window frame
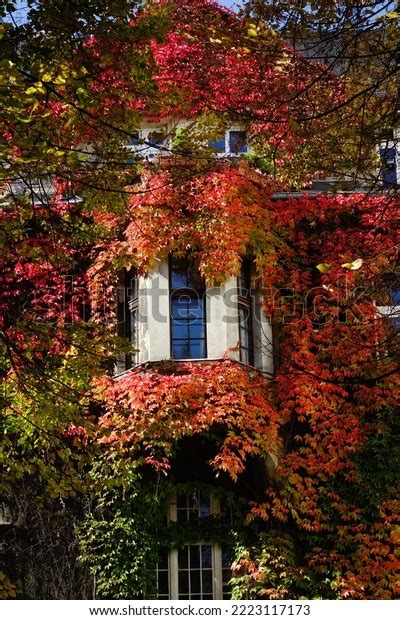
{"x": 143, "y": 148}
{"x": 173, "y": 566}
{"x": 227, "y": 152}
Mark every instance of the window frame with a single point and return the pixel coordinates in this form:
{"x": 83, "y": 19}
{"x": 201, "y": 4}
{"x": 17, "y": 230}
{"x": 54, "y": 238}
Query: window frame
{"x": 191, "y": 293}
{"x": 133, "y": 304}
{"x": 124, "y": 316}
{"x": 173, "y": 556}
{"x": 226, "y": 140}
{"x": 245, "y": 303}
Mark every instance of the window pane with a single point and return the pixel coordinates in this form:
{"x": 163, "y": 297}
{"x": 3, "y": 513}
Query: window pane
{"x": 237, "y": 142}
{"x": 195, "y": 582}
{"x": 207, "y": 582}
{"x": 192, "y": 349}
{"x": 180, "y": 331}
{"x": 196, "y": 330}
{"x": 187, "y": 308}
{"x": 134, "y": 334}
{"x": 163, "y": 558}
{"x": 226, "y": 558}
{"x": 188, "y": 332}
{"x": 183, "y": 581}
{"x": 162, "y": 574}
{"x": 395, "y": 297}
{"x": 194, "y": 556}
{"x": 218, "y": 144}
{"x": 206, "y": 556}
{"x": 183, "y": 558}
{"x": 185, "y": 274}
{"x": 197, "y": 349}
{"x": 179, "y": 279}
{"x": 244, "y": 279}
{"x": 163, "y": 586}
{"x": 181, "y": 351}
{"x": 388, "y": 160}
{"x": 245, "y": 356}
{"x": 245, "y": 312}
{"x": 205, "y": 504}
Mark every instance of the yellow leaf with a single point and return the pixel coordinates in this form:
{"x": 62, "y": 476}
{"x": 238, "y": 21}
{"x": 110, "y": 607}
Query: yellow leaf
{"x": 324, "y": 267}
{"x": 356, "y": 264}
{"x": 59, "y": 80}
{"x": 252, "y": 32}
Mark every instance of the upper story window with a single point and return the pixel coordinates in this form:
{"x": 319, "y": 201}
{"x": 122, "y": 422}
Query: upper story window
{"x": 232, "y": 142}
{"x": 388, "y": 166}
{"x": 133, "y": 302}
{"x": 135, "y": 139}
{"x": 156, "y": 139}
{"x": 218, "y": 144}
{"x": 187, "y": 310}
{"x": 245, "y": 311}
{"x": 237, "y": 142}
{"x": 149, "y": 143}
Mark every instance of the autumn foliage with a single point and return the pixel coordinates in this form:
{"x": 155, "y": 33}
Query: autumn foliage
{"x": 321, "y": 262}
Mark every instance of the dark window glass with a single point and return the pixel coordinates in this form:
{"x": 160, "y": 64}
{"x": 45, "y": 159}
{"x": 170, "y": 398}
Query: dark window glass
{"x": 187, "y": 302}
{"x": 133, "y": 300}
{"x": 195, "y": 575}
{"x": 183, "y": 559}
{"x": 127, "y": 316}
{"x": 206, "y": 556}
{"x": 237, "y": 142}
{"x": 205, "y": 504}
{"x": 162, "y": 574}
{"x": 226, "y": 560}
{"x": 194, "y": 556}
{"x": 388, "y": 172}
{"x": 183, "y": 581}
{"x": 245, "y": 314}
{"x": 207, "y": 581}
{"x": 395, "y": 295}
